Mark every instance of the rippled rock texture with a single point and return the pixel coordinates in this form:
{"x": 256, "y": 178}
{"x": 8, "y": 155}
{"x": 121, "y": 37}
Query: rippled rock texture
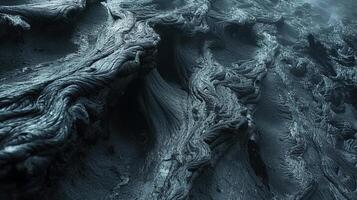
{"x": 178, "y": 99}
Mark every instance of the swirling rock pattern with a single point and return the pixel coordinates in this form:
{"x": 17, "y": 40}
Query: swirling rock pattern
{"x": 192, "y": 99}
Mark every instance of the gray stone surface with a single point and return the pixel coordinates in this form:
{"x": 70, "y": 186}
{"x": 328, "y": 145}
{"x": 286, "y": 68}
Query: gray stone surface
{"x": 179, "y": 99}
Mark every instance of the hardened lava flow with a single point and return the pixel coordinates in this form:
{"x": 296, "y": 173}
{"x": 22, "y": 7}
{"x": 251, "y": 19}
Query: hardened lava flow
{"x": 178, "y": 99}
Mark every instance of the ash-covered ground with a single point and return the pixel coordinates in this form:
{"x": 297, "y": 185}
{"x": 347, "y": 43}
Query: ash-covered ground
{"x": 178, "y": 99}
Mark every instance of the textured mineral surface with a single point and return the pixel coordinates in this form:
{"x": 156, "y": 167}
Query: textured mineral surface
{"x": 178, "y": 99}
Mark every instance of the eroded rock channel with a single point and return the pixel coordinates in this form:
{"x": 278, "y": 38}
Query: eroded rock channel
{"x": 178, "y": 99}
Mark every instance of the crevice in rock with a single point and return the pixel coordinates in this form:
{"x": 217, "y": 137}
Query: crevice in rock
{"x": 126, "y": 116}
{"x": 236, "y": 44}
{"x": 167, "y": 64}
{"x": 257, "y": 163}
{"x": 116, "y": 155}
{"x": 320, "y": 53}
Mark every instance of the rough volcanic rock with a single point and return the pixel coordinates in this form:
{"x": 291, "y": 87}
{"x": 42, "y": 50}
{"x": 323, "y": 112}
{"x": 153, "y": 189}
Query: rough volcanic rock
{"x": 178, "y": 99}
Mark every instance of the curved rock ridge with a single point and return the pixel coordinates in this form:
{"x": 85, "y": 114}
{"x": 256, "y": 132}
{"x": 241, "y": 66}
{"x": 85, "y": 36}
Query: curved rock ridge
{"x": 225, "y": 99}
{"x": 41, "y": 109}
